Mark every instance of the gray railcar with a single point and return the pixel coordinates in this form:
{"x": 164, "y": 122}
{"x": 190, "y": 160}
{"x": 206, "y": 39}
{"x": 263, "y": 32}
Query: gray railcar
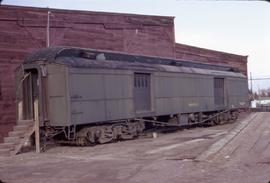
{"x": 75, "y": 89}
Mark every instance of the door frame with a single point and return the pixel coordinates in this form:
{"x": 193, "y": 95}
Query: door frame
{"x": 39, "y": 114}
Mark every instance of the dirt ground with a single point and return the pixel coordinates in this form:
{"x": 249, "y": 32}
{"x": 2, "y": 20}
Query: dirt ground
{"x": 237, "y": 152}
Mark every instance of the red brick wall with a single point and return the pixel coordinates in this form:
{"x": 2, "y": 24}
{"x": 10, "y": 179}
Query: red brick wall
{"x": 23, "y": 29}
{"x": 202, "y": 55}
{"x": 7, "y": 98}
{"x": 140, "y": 34}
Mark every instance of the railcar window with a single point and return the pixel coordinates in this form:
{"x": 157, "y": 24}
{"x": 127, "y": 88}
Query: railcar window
{"x": 139, "y": 82}
{"x": 135, "y": 82}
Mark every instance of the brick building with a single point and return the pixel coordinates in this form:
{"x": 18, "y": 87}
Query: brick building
{"x": 23, "y": 29}
{"x": 202, "y": 55}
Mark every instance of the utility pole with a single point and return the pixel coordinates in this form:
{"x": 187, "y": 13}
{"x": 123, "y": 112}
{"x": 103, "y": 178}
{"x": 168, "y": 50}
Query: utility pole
{"x": 48, "y": 29}
{"x": 251, "y": 88}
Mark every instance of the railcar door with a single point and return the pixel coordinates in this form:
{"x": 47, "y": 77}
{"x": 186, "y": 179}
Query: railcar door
{"x": 219, "y": 92}
{"x": 142, "y": 92}
{"x": 29, "y": 106}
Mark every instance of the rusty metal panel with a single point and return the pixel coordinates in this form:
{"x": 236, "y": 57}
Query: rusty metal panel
{"x": 118, "y": 96}
{"x": 237, "y": 91}
{"x": 119, "y": 109}
{"x": 87, "y": 111}
{"x": 86, "y": 86}
{"x": 118, "y": 86}
{"x": 57, "y": 95}
{"x": 87, "y": 97}
{"x": 167, "y": 86}
{"x": 98, "y": 95}
{"x": 165, "y": 106}
{"x": 179, "y": 92}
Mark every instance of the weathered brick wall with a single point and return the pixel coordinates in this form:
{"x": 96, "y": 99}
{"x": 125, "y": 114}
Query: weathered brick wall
{"x": 202, "y": 55}
{"x": 7, "y": 107}
{"x": 23, "y": 29}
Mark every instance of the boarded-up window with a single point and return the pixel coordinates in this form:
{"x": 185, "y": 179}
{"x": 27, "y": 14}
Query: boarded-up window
{"x": 219, "y": 92}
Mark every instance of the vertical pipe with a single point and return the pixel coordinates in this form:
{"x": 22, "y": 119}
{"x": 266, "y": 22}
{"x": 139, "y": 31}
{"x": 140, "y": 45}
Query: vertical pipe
{"x": 48, "y": 29}
{"x": 39, "y": 106}
{"x": 37, "y": 133}
{"x": 251, "y": 87}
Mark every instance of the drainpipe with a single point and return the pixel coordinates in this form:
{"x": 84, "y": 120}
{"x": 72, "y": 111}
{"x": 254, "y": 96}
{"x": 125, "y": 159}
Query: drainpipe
{"x": 48, "y": 29}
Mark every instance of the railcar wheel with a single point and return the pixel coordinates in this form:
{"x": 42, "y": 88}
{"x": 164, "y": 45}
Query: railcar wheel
{"x": 217, "y": 120}
{"x": 43, "y": 140}
{"x": 82, "y": 141}
{"x": 129, "y": 131}
{"x": 108, "y": 133}
{"x": 105, "y": 134}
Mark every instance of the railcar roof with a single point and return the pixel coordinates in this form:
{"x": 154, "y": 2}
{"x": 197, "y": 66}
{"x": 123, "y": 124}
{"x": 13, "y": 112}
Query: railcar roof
{"x": 91, "y": 58}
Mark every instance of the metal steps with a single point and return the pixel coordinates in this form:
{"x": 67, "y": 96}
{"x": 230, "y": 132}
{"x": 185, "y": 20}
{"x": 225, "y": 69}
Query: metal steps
{"x": 16, "y": 138}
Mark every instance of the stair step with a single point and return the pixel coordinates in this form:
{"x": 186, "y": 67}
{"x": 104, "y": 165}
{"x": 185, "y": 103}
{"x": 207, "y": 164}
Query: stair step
{"x": 8, "y": 145}
{"x": 25, "y": 122}
{"x": 21, "y": 127}
{"x": 17, "y": 133}
{"x": 12, "y": 139}
{"x": 5, "y": 152}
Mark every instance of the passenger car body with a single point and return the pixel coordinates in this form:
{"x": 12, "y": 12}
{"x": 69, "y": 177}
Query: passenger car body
{"x": 89, "y": 87}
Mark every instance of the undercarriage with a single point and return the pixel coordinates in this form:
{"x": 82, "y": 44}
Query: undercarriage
{"x": 85, "y": 135}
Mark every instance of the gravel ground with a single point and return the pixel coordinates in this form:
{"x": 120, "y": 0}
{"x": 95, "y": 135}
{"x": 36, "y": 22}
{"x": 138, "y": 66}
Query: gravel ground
{"x": 168, "y": 158}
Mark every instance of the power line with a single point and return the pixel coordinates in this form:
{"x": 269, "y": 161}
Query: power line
{"x": 251, "y": 79}
{"x": 227, "y": 0}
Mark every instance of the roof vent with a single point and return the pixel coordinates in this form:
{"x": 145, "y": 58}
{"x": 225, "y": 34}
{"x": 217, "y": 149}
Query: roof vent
{"x": 89, "y": 55}
{"x": 100, "y": 56}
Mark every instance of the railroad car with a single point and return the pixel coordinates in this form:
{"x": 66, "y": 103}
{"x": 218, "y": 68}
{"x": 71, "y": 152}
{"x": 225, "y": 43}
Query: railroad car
{"x": 90, "y": 96}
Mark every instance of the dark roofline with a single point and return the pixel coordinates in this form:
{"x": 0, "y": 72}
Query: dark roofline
{"x": 82, "y": 11}
{"x": 53, "y": 53}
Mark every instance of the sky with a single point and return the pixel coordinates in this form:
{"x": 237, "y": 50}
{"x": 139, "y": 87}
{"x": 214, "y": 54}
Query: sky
{"x": 240, "y": 27}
